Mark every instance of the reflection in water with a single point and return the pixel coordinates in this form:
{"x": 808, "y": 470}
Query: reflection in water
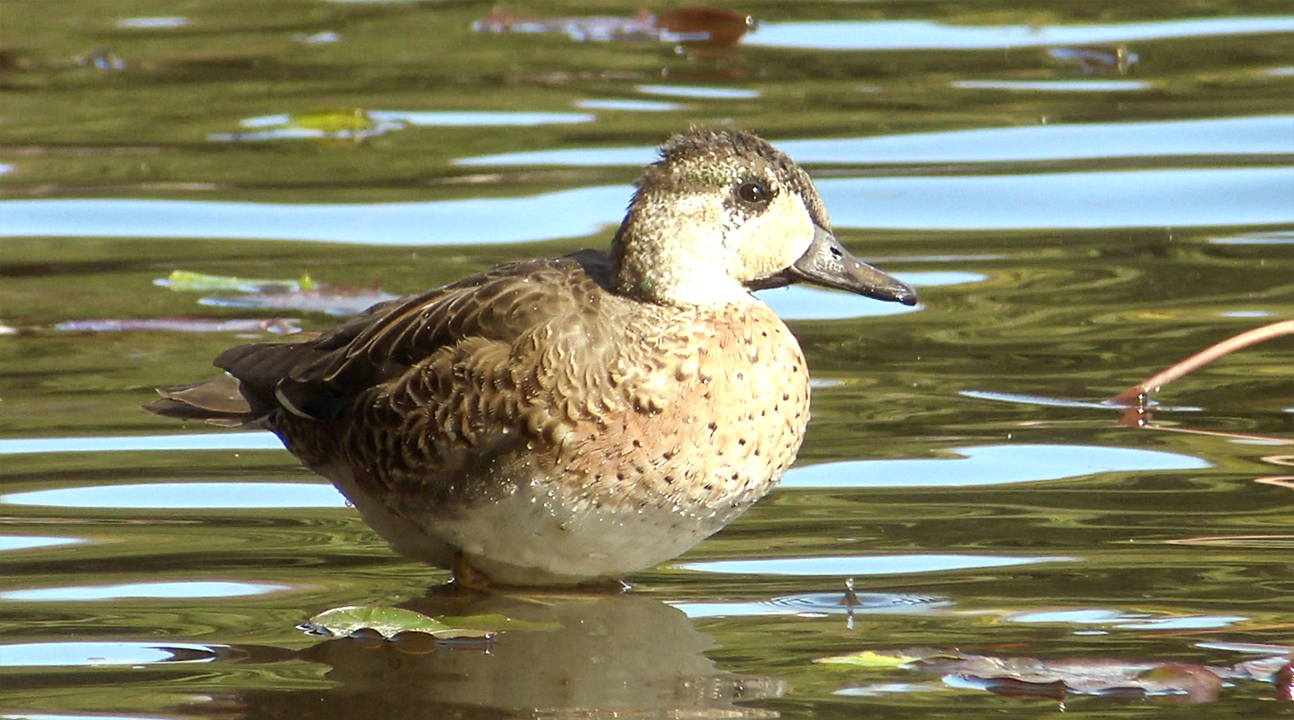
{"x": 702, "y": 26}
{"x": 152, "y": 23}
{"x": 1125, "y": 620}
{"x": 1054, "y": 85}
{"x": 1253, "y": 136}
{"x": 914, "y": 35}
{"x": 1096, "y": 59}
{"x": 169, "y": 590}
{"x": 798, "y": 302}
{"x": 628, "y": 105}
{"x": 1139, "y": 198}
{"x": 159, "y": 443}
{"x": 1144, "y": 198}
{"x": 99, "y": 654}
{"x": 31, "y": 542}
{"x": 184, "y": 496}
{"x": 1247, "y": 314}
{"x": 592, "y": 655}
{"x": 822, "y": 604}
{"x": 550, "y": 216}
{"x": 990, "y": 465}
{"x": 802, "y": 303}
{"x": 607, "y": 654}
{"x": 942, "y": 116}
{"x": 321, "y": 37}
{"x": 102, "y": 59}
{"x": 698, "y": 91}
{"x": 1269, "y": 238}
{"x": 1103, "y": 405}
{"x": 274, "y": 326}
{"x": 860, "y": 565}
{"x": 1064, "y": 677}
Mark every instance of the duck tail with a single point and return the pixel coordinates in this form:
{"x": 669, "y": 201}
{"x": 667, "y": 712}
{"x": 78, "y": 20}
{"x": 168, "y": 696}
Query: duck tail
{"x": 220, "y": 401}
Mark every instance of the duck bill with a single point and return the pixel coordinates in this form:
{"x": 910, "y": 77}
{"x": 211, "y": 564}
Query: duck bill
{"x": 828, "y": 263}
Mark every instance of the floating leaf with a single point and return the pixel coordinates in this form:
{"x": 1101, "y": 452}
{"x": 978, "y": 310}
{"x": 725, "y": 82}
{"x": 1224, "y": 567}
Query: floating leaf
{"x": 349, "y": 124}
{"x": 340, "y": 121}
{"x": 386, "y": 621}
{"x": 870, "y": 660}
{"x": 186, "y": 281}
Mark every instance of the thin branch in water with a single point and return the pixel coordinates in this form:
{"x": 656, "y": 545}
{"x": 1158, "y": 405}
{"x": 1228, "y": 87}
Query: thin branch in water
{"x": 1135, "y": 395}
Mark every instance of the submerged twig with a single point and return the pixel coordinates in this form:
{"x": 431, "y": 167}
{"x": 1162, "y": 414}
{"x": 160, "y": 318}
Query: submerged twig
{"x": 1137, "y": 393}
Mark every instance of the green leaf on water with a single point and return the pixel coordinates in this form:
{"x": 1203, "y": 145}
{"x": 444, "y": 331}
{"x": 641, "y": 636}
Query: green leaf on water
{"x": 334, "y": 122}
{"x": 187, "y": 281}
{"x": 387, "y": 621}
{"x": 869, "y": 660}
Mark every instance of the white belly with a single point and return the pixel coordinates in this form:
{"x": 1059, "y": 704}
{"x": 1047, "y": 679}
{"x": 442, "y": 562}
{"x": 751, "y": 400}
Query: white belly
{"x": 528, "y": 537}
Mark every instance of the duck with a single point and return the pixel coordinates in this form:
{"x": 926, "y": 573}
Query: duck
{"x": 572, "y": 420}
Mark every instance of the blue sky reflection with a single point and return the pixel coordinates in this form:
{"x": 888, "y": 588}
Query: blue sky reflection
{"x": 924, "y": 35}
{"x": 856, "y": 565}
{"x": 983, "y": 465}
{"x": 1145, "y": 198}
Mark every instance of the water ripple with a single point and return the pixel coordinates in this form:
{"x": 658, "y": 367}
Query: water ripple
{"x": 820, "y": 604}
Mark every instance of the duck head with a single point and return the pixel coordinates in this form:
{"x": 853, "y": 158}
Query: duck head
{"x": 722, "y": 214}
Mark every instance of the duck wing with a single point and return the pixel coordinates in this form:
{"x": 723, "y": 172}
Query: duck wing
{"x": 319, "y": 375}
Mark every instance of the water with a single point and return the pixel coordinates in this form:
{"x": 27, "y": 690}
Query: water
{"x": 1083, "y": 195}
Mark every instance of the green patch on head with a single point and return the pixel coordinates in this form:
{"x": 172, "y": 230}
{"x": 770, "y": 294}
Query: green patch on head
{"x": 709, "y": 176}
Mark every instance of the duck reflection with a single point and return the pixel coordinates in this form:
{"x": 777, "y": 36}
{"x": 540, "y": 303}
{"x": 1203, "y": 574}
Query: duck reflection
{"x": 597, "y": 656}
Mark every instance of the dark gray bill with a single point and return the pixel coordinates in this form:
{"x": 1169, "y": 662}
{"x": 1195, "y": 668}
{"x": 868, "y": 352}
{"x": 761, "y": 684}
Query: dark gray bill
{"x": 828, "y": 263}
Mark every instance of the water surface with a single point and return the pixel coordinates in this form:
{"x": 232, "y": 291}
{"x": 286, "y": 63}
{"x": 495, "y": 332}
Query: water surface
{"x": 1083, "y": 195}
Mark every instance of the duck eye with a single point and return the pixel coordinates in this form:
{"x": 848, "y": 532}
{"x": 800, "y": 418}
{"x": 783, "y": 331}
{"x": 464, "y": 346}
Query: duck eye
{"x": 754, "y": 193}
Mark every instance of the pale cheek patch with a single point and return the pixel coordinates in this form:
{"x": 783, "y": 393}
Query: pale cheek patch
{"x": 771, "y": 242}
{"x": 797, "y": 226}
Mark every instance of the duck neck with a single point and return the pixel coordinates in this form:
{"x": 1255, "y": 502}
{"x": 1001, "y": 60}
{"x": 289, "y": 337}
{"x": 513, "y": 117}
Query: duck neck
{"x": 671, "y": 266}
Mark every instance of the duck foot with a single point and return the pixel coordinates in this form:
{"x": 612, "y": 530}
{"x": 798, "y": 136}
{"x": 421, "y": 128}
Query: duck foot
{"x": 468, "y": 577}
